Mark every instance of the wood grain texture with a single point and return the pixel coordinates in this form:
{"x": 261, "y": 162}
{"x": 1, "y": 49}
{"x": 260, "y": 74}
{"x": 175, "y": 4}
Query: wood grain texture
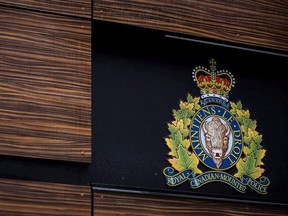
{"x": 262, "y": 23}
{"x": 24, "y": 198}
{"x": 80, "y": 8}
{"x": 111, "y": 203}
{"x": 45, "y": 86}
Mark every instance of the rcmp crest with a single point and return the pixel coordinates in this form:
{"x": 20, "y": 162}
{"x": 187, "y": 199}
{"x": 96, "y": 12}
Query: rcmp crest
{"x": 217, "y": 133}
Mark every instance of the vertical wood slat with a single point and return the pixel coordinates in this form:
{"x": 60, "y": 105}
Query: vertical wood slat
{"x": 24, "y": 198}
{"x": 112, "y": 203}
{"x": 45, "y": 78}
{"x": 259, "y": 22}
{"x": 80, "y": 8}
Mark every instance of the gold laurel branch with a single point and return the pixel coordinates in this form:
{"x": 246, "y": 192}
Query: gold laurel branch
{"x": 178, "y": 141}
{"x": 251, "y": 163}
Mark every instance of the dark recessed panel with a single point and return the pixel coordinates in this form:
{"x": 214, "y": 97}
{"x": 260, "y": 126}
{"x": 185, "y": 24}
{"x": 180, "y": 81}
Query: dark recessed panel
{"x": 180, "y": 116}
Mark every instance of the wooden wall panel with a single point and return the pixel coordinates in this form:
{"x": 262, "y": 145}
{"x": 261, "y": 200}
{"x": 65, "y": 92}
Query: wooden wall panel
{"x": 254, "y": 22}
{"x": 108, "y": 204}
{"x": 81, "y": 8}
{"x": 24, "y": 198}
{"x": 45, "y": 78}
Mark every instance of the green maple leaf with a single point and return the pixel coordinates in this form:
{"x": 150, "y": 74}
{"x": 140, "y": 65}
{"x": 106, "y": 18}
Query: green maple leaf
{"x": 189, "y": 107}
{"x": 253, "y": 147}
{"x": 197, "y": 106}
{"x": 180, "y": 114}
{"x": 260, "y": 154}
{"x": 195, "y": 102}
{"x": 253, "y": 136}
{"x": 249, "y": 167}
{"x": 185, "y": 161}
{"x": 235, "y": 107}
{"x": 175, "y": 142}
{"x": 242, "y": 117}
{"x": 257, "y": 151}
{"x": 187, "y": 123}
{"x": 172, "y": 128}
{"x": 243, "y": 114}
{"x": 247, "y": 124}
{"x": 176, "y": 126}
{"x": 252, "y": 124}
{"x": 253, "y": 140}
{"x": 186, "y": 105}
{"x": 191, "y": 99}
{"x": 172, "y": 145}
{"x": 258, "y": 139}
{"x": 181, "y": 141}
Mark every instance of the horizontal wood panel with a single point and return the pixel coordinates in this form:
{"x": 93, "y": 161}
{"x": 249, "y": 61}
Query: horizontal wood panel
{"x": 81, "y": 8}
{"x": 24, "y": 198}
{"x": 45, "y": 78}
{"x": 109, "y": 203}
{"x": 253, "y": 22}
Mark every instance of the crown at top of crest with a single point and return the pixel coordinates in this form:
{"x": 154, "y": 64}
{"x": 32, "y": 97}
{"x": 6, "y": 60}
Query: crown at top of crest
{"x": 213, "y": 83}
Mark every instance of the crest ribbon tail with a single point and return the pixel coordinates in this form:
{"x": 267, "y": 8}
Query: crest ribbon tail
{"x": 175, "y": 179}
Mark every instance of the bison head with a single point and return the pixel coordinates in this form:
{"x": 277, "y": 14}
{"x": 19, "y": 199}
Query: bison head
{"x": 216, "y": 139}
